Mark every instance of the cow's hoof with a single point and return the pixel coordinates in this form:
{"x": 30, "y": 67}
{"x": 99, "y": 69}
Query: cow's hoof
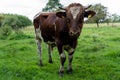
{"x": 41, "y": 65}
{"x": 50, "y": 61}
{"x": 61, "y": 74}
{"x": 69, "y": 71}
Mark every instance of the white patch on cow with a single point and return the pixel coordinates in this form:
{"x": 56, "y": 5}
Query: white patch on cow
{"x": 54, "y": 26}
{"x": 69, "y": 48}
{"x": 37, "y": 15}
{"x": 62, "y": 55}
{"x": 75, "y": 11}
{"x": 66, "y": 46}
{"x": 70, "y": 56}
{"x": 38, "y": 33}
{"x": 39, "y": 46}
{"x": 38, "y": 42}
{"x": 49, "y": 42}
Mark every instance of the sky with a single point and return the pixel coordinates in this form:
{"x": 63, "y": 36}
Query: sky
{"x": 31, "y": 7}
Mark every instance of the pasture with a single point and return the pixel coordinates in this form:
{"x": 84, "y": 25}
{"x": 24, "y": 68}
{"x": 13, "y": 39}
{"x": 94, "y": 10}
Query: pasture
{"x": 97, "y": 56}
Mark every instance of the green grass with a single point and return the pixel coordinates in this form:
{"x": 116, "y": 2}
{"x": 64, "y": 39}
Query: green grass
{"x": 97, "y": 57}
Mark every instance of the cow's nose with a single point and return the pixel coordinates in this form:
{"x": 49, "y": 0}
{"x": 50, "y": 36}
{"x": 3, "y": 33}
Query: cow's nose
{"x": 73, "y": 33}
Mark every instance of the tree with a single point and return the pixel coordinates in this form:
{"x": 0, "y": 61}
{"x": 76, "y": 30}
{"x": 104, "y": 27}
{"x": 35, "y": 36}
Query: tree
{"x": 52, "y": 6}
{"x": 5, "y": 31}
{"x": 108, "y": 18}
{"x": 101, "y": 13}
{"x": 1, "y": 19}
{"x": 10, "y": 21}
{"x": 115, "y": 18}
{"x": 15, "y": 21}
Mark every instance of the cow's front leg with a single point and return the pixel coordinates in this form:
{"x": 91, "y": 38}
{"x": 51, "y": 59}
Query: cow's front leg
{"x": 62, "y": 59}
{"x": 71, "y": 51}
{"x": 70, "y": 58}
{"x": 50, "y": 53}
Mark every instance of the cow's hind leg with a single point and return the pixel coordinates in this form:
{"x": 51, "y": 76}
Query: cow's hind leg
{"x": 38, "y": 36}
{"x": 50, "y": 53}
{"x": 39, "y": 43}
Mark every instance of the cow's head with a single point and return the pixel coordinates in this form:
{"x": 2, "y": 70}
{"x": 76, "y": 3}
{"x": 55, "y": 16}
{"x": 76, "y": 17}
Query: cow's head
{"x": 74, "y": 15}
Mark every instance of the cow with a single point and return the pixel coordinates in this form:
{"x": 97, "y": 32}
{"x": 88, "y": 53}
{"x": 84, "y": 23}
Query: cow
{"x": 61, "y": 29}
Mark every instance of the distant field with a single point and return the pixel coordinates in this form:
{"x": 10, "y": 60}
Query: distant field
{"x": 97, "y": 56}
{"x": 103, "y": 25}
{"x": 30, "y": 30}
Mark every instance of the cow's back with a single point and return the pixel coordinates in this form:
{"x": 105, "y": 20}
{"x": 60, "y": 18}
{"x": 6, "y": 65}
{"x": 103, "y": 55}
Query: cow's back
{"x": 45, "y": 22}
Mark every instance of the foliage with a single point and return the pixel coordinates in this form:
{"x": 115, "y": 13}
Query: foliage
{"x": 93, "y": 60}
{"x": 5, "y": 31}
{"x": 115, "y": 18}
{"x": 15, "y": 21}
{"x": 24, "y": 21}
{"x": 112, "y": 18}
{"x": 1, "y": 19}
{"x": 101, "y": 13}
{"x": 52, "y": 5}
{"x": 10, "y": 22}
{"x": 18, "y": 35}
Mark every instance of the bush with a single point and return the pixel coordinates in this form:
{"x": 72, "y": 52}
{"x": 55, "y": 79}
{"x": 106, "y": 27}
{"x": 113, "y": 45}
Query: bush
{"x": 18, "y": 35}
{"x": 16, "y": 21}
{"x": 5, "y": 31}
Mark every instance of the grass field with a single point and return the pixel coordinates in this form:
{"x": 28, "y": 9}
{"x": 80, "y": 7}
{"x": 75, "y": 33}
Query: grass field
{"x": 97, "y": 57}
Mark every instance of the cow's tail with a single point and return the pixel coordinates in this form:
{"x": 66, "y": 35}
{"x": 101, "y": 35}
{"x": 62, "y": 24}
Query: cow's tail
{"x": 36, "y": 21}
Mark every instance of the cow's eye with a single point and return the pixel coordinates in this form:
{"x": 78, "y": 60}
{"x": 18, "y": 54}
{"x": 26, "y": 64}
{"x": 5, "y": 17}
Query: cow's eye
{"x": 81, "y": 18}
{"x": 68, "y": 20}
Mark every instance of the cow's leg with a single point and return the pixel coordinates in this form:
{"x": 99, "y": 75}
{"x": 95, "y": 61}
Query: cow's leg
{"x": 70, "y": 57}
{"x": 38, "y": 37}
{"x": 39, "y": 43}
{"x": 50, "y": 53}
{"x": 62, "y": 59}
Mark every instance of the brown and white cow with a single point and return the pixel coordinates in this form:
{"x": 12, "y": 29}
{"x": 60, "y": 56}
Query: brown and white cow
{"x": 61, "y": 29}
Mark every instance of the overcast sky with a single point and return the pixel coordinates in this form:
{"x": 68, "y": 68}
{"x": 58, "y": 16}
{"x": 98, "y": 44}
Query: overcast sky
{"x": 30, "y": 7}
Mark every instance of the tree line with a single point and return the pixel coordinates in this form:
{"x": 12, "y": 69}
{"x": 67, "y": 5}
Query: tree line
{"x": 10, "y": 25}
{"x": 14, "y": 21}
{"x": 102, "y": 14}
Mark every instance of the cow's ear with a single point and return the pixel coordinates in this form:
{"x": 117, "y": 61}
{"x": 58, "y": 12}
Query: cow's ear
{"x": 61, "y": 14}
{"x": 89, "y": 14}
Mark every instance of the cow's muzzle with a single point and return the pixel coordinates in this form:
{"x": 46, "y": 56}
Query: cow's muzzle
{"x": 74, "y": 33}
